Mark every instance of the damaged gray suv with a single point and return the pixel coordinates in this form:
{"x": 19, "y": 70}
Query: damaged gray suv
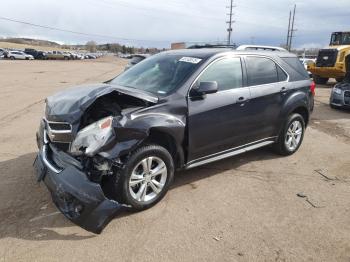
{"x": 116, "y": 145}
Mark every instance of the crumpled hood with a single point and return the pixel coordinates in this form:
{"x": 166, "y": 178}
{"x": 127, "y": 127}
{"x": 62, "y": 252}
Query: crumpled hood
{"x": 69, "y": 105}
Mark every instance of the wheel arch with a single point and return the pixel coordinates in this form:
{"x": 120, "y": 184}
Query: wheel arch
{"x": 302, "y": 110}
{"x": 297, "y": 103}
{"x": 166, "y": 140}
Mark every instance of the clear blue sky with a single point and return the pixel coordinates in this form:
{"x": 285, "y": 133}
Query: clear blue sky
{"x": 158, "y": 23}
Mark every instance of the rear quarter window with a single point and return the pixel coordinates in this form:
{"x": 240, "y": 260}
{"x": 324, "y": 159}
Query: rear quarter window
{"x": 298, "y": 67}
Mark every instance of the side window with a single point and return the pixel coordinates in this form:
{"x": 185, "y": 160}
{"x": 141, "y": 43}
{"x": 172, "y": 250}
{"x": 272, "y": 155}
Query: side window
{"x": 261, "y": 71}
{"x": 226, "y": 72}
{"x": 282, "y": 76}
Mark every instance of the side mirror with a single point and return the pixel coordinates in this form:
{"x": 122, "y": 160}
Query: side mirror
{"x": 205, "y": 88}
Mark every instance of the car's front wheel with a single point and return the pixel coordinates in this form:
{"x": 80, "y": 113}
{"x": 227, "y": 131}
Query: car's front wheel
{"x": 291, "y": 135}
{"x": 146, "y": 177}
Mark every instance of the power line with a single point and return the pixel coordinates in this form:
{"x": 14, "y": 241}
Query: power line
{"x": 229, "y": 29}
{"x": 79, "y": 33}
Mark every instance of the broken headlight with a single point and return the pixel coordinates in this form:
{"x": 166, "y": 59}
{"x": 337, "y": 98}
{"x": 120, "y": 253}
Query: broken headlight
{"x": 91, "y": 138}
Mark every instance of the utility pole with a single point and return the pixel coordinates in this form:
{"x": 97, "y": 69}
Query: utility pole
{"x": 229, "y": 29}
{"x": 292, "y": 30}
{"x": 288, "y": 34}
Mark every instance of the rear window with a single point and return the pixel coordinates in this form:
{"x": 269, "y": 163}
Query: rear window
{"x": 261, "y": 71}
{"x": 294, "y": 63}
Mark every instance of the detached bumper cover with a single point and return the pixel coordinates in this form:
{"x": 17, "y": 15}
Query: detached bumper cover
{"x": 79, "y": 199}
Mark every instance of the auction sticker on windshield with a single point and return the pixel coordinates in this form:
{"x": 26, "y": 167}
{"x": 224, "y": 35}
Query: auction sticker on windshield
{"x": 192, "y": 60}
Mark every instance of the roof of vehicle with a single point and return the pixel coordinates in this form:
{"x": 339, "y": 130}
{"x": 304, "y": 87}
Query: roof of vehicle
{"x": 205, "y": 53}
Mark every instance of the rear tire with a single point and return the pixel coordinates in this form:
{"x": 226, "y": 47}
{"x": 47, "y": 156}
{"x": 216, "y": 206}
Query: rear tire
{"x": 141, "y": 171}
{"x": 291, "y": 136}
{"x": 320, "y": 80}
{"x": 12, "y": 58}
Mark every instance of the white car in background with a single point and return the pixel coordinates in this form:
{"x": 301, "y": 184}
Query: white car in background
{"x": 306, "y": 62}
{"x": 19, "y": 55}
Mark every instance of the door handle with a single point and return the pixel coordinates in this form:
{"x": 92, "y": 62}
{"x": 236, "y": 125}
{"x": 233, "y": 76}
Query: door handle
{"x": 283, "y": 90}
{"x": 241, "y": 100}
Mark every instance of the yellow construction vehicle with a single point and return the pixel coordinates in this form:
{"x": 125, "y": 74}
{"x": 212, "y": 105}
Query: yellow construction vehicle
{"x": 334, "y": 61}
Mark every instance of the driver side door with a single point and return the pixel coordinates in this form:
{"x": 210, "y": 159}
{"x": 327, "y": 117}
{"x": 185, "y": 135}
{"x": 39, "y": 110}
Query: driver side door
{"x": 217, "y": 122}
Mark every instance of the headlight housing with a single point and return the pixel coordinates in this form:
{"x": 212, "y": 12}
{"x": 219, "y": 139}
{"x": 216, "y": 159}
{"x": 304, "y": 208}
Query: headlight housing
{"x": 91, "y": 138}
{"x": 337, "y": 90}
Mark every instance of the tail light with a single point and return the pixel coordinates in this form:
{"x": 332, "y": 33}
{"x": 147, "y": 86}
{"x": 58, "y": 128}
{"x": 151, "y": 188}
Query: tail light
{"x": 312, "y": 88}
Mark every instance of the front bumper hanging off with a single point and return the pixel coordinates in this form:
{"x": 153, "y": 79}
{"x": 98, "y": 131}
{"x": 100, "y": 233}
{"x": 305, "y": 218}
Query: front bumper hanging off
{"x": 79, "y": 199}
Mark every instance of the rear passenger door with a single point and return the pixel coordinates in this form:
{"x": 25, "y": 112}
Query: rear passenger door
{"x": 268, "y": 86}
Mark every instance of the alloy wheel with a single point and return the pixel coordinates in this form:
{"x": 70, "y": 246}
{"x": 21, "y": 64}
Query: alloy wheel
{"x": 294, "y": 135}
{"x": 148, "y": 179}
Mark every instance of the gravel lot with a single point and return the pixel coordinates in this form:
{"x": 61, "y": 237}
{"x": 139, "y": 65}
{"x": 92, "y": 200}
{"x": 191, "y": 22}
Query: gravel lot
{"x": 243, "y": 208}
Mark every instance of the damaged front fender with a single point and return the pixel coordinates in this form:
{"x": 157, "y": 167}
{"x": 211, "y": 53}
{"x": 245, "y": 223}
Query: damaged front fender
{"x": 140, "y": 127}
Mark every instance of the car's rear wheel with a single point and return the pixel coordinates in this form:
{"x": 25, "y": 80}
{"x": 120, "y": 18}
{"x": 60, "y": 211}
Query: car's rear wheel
{"x": 291, "y": 135}
{"x": 12, "y": 58}
{"x": 145, "y": 178}
{"x": 320, "y": 80}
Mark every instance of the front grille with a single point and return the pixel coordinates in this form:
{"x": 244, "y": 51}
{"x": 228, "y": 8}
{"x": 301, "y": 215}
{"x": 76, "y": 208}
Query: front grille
{"x": 59, "y": 134}
{"x": 59, "y": 126}
{"x": 347, "y": 97}
{"x": 62, "y": 146}
{"x": 326, "y": 57}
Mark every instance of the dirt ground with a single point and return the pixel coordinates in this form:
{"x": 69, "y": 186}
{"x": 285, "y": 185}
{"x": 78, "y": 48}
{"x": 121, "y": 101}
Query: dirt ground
{"x": 243, "y": 208}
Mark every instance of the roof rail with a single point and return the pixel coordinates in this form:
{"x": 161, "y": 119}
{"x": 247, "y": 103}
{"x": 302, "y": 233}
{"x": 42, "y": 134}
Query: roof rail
{"x": 212, "y": 46}
{"x": 262, "y": 48}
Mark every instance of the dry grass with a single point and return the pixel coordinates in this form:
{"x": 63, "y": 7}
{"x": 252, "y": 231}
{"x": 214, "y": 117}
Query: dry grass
{"x": 23, "y": 46}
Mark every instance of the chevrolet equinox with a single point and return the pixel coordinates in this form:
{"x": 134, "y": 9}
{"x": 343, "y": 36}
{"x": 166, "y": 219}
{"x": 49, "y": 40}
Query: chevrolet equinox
{"x": 103, "y": 147}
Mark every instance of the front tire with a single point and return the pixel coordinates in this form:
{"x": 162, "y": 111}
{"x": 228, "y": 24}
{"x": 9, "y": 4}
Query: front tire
{"x": 291, "y": 135}
{"x": 145, "y": 178}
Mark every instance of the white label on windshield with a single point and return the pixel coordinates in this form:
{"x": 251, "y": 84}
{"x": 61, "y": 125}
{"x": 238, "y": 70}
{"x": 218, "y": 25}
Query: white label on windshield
{"x": 192, "y": 60}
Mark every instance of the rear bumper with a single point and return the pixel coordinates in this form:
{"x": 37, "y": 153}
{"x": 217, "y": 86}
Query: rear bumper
{"x": 80, "y": 200}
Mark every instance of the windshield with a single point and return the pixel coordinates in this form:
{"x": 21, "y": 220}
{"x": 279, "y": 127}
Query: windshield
{"x": 340, "y": 39}
{"x": 159, "y": 74}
